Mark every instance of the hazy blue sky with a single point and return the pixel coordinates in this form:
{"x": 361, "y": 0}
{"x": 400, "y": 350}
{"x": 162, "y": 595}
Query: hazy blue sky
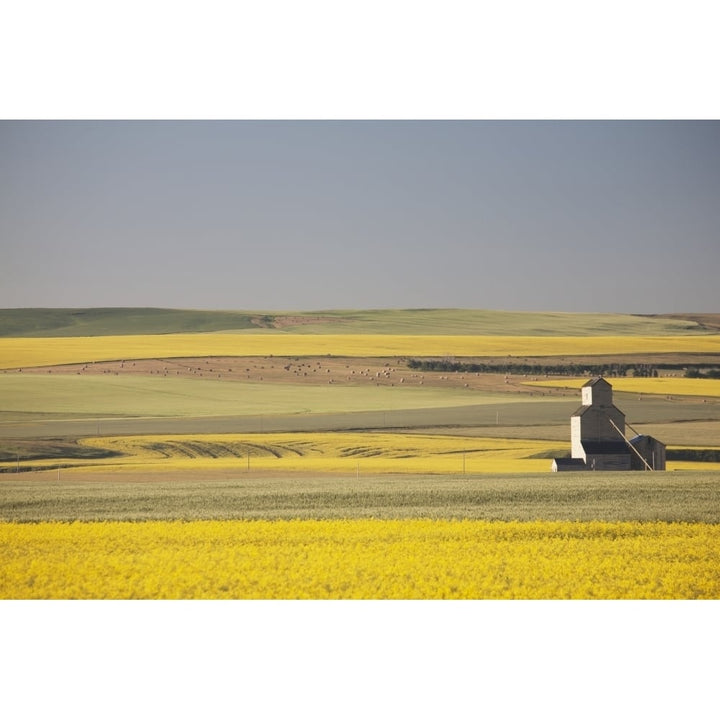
{"x": 556, "y": 215}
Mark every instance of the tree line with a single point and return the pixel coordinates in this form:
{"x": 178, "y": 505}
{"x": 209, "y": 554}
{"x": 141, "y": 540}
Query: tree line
{"x": 606, "y": 369}
{"x": 695, "y": 373}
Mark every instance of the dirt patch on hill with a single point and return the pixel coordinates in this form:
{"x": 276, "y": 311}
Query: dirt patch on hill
{"x": 278, "y": 322}
{"x": 707, "y": 321}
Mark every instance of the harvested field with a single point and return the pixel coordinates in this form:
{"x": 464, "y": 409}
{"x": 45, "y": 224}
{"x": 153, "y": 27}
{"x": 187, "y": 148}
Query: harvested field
{"x": 311, "y": 371}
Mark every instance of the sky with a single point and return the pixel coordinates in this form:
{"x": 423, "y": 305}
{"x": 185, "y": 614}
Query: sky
{"x": 557, "y": 215}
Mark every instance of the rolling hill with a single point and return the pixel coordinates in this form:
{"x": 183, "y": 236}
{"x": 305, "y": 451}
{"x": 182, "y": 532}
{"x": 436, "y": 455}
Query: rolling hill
{"x": 75, "y": 322}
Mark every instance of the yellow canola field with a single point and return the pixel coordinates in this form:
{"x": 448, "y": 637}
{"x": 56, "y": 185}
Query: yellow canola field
{"x": 343, "y": 453}
{"x": 669, "y": 386}
{"x": 35, "y": 352}
{"x": 362, "y": 559}
{"x": 335, "y": 452}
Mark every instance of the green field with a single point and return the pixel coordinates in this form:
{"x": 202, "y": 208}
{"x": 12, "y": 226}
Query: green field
{"x": 104, "y": 396}
{"x": 183, "y": 495}
{"x": 49, "y": 322}
{"x": 37, "y": 405}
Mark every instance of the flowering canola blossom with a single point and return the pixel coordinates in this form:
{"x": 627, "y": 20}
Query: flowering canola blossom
{"x": 363, "y": 559}
{"x": 35, "y": 352}
{"x": 702, "y": 387}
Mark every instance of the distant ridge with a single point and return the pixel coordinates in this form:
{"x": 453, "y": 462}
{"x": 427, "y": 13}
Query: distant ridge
{"x": 69, "y": 322}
